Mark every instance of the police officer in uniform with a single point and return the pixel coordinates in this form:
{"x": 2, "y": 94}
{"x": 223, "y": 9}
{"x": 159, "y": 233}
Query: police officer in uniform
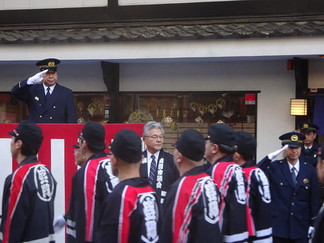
{"x": 29, "y": 192}
{"x": 294, "y": 192}
{"x": 48, "y": 101}
{"x": 310, "y": 148}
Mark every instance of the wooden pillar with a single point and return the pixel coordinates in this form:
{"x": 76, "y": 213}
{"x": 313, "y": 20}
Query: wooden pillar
{"x": 110, "y": 72}
{"x": 301, "y": 79}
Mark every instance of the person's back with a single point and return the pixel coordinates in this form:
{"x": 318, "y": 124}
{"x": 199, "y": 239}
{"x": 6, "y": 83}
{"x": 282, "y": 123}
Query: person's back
{"x": 229, "y": 178}
{"x": 130, "y": 213}
{"x": 191, "y": 208}
{"x": 29, "y": 193}
{"x": 91, "y": 184}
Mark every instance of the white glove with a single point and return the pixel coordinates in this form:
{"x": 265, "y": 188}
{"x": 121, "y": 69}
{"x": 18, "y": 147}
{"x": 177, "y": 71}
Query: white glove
{"x": 274, "y": 154}
{"x": 310, "y": 231}
{"x": 59, "y": 223}
{"x": 37, "y": 78}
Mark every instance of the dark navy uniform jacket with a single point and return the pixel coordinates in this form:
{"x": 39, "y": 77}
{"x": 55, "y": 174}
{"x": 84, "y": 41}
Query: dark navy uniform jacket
{"x": 166, "y": 174}
{"x": 59, "y": 108}
{"x": 309, "y": 156}
{"x": 294, "y": 208}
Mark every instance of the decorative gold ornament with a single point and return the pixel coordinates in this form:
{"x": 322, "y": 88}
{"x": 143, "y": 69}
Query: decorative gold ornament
{"x": 306, "y": 181}
{"x": 294, "y": 138}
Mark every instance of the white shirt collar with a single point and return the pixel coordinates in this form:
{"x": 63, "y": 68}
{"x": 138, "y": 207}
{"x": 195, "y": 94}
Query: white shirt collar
{"x": 297, "y": 166}
{"x": 51, "y": 88}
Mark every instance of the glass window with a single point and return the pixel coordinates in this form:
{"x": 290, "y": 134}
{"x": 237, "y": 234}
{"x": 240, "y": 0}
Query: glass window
{"x": 197, "y": 110}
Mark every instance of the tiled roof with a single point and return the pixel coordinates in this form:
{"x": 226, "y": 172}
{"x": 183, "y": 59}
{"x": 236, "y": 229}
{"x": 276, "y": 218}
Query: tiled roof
{"x": 150, "y": 31}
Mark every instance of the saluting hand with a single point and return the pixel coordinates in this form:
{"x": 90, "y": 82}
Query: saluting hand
{"x": 274, "y": 154}
{"x": 37, "y": 78}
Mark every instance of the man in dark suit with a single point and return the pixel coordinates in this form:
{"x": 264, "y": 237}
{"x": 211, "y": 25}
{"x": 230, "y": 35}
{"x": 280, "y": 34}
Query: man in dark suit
{"x": 294, "y": 192}
{"x": 157, "y": 165}
{"x": 48, "y": 101}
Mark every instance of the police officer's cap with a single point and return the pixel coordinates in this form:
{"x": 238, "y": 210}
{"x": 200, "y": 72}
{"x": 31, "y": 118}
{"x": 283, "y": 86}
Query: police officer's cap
{"x": 293, "y": 139}
{"x": 30, "y": 134}
{"x": 246, "y": 144}
{"x": 50, "y": 64}
{"x": 127, "y": 145}
{"x": 220, "y": 133}
{"x": 308, "y": 127}
{"x": 191, "y": 144}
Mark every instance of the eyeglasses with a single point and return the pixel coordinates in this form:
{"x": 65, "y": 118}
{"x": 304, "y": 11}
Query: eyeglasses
{"x": 155, "y": 137}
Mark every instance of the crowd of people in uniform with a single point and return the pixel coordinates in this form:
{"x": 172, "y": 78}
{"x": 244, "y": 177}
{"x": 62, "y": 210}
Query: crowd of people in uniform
{"x": 210, "y": 189}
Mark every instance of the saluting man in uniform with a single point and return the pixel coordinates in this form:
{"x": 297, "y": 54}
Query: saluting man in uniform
{"x": 157, "y": 165}
{"x": 48, "y": 101}
{"x": 294, "y": 192}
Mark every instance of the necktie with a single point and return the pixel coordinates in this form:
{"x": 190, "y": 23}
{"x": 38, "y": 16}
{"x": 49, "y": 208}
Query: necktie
{"x": 48, "y": 93}
{"x": 152, "y": 170}
{"x": 293, "y": 175}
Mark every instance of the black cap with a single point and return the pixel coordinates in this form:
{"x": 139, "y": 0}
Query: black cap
{"x": 221, "y": 133}
{"x": 30, "y": 134}
{"x": 308, "y": 127}
{"x": 293, "y": 139}
{"x": 246, "y": 144}
{"x": 49, "y": 63}
{"x": 127, "y": 145}
{"x": 94, "y": 135}
{"x": 191, "y": 144}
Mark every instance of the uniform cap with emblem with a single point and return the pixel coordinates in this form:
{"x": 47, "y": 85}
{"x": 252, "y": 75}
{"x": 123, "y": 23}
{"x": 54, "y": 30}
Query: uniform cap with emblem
{"x": 308, "y": 127}
{"x": 127, "y": 145}
{"x": 293, "y": 139}
{"x": 50, "y": 64}
{"x": 30, "y": 134}
{"x": 191, "y": 144}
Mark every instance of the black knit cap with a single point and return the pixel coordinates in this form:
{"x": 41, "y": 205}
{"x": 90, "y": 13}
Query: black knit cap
{"x": 191, "y": 144}
{"x": 30, "y": 134}
{"x": 127, "y": 145}
{"x": 94, "y": 135}
{"x": 246, "y": 144}
{"x": 221, "y": 133}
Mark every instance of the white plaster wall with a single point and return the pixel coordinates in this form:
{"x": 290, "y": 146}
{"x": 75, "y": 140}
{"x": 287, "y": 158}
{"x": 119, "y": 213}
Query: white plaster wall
{"x": 275, "y": 83}
{"x": 41, "y": 4}
{"x": 79, "y": 76}
{"x": 146, "y": 2}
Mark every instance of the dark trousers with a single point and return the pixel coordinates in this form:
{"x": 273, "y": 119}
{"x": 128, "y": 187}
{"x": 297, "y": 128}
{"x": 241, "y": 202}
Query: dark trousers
{"x": 284, "y": 240}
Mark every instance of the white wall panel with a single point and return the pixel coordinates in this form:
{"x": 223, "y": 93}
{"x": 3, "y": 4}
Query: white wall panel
{"x": 41, "y": 4}
{"x": 146, "y": 2}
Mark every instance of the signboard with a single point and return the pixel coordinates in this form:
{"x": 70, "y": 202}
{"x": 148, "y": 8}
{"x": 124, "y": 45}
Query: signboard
{"x": 56, "y": 152}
